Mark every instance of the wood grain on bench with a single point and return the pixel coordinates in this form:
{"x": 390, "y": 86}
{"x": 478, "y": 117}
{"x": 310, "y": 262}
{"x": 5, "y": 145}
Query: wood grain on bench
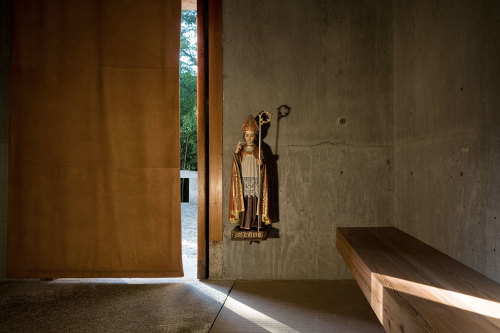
{"x": 413, "y": 287}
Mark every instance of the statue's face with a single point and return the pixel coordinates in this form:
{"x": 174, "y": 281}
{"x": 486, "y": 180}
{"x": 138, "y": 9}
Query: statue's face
{"x": 249, "y": 138}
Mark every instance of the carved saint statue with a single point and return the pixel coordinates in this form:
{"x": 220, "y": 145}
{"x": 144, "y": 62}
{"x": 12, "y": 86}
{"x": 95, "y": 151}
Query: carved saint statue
{"x": 248, "y": 197}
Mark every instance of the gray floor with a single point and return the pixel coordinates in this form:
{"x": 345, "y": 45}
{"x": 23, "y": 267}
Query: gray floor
{"x": 297, "y": 306}
{"x": 113, "y": 305}
{"x": 159, "y": 305}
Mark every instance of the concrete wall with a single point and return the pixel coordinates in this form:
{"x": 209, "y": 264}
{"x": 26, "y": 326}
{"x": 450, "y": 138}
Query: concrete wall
{"x": 447, "y": 127}
{"x": 193, "y": 184}
{"x": 327, "y": 60}
{"x": 4, "y": 125}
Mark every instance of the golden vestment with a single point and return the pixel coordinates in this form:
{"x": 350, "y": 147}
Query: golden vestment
{"x": 239, "y": 204}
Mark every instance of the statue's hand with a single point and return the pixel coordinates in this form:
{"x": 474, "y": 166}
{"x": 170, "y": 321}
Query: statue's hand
{"x": 259, "y": 162}
{"x": 239, "y": 145}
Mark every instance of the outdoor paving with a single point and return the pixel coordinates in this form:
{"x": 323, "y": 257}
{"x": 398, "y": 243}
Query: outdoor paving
{"x": 189, "y": 238}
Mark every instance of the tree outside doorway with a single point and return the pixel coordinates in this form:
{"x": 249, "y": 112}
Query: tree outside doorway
{"x": 187, "y": 83}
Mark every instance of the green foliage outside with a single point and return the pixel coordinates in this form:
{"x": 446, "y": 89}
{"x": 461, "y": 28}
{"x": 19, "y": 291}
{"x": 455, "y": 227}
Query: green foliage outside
{"x": 187, "y": 83}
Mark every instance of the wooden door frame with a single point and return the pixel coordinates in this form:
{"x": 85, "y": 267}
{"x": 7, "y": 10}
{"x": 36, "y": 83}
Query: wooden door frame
{"x": 209, "y": 25}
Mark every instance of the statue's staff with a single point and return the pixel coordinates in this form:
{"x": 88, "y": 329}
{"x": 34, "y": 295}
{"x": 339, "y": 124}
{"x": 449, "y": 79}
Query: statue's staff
{"x": 264, "y": 118}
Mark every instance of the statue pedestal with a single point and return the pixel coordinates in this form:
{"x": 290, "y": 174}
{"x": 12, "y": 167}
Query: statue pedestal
{"x": 238, "y": 234}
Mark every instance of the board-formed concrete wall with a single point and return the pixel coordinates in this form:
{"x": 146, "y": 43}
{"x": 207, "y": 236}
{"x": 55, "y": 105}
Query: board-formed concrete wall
{"x": 326, "y": 60}
{"x": 447, "y": 127}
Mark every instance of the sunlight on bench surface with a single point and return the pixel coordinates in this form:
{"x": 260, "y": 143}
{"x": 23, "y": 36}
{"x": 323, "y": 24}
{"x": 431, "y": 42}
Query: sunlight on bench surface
{"x": 413, "y": 287}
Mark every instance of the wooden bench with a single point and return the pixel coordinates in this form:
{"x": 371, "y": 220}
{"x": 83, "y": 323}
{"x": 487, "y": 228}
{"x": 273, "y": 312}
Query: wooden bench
{"x": 413, "y": 287}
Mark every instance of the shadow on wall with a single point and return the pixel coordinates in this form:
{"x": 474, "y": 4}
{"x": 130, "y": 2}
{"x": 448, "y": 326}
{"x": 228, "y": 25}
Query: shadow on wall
{"x": 272, "y": 169}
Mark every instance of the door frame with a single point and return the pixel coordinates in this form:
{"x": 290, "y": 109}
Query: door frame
{"x": 209, "y": 102}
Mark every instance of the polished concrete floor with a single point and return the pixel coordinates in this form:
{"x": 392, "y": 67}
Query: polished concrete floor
{"x": 297, "y": 306}
{"x": 176, "y": 305}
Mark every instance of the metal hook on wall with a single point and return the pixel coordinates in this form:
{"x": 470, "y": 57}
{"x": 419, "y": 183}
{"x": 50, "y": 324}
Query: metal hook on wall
{"x": 283, "y": 111}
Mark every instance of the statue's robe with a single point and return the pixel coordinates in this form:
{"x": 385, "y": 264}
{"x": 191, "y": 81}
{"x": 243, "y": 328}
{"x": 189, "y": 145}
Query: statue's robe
{"x": 245, "y": 204}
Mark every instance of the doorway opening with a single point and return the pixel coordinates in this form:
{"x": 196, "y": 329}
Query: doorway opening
{"x": 188, "y": 70}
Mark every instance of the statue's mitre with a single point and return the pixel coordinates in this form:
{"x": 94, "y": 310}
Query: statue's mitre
{"x": 250, "y": 126}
